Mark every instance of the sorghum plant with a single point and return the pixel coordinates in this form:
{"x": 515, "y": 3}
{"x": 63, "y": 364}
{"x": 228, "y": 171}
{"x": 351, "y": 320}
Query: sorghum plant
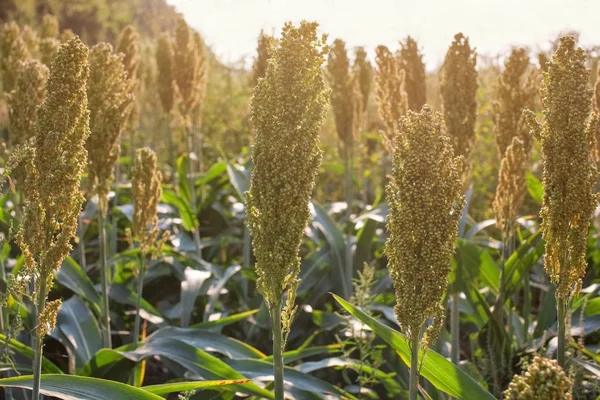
{"x": 515, "y": 92}
{"x": 110, "y": 100}
{"x": 166, "y": 86}
{"x": 410, "y": 60}
{"x": 391, "y": 96}
{"x": 425, "y": 202}
{"x": 146, "y": 192}
{"x": 543, "y": 379}
{"x": 129, "y": 46}
{"x": 288, "y": 107}
{"x": 52, "y": 192}
{"x": 596, "y": 108}
{"x": 24, "y": 100}
{"x": 567, "y": 141}
{"x": 13, "y": 51}
{"x": 346, "y": 99}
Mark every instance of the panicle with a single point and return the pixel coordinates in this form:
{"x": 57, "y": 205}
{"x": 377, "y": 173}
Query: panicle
{"x": 458, "y": 87}
{"x": 342, "y": 92}
{"x": 49, "y": 27}
{"x": 48, "y": 49}
{"x": 130, "y": 48}
{"x": 543, "y": 379}
{"x": 364, "y": 73}
{"x": 425, "y": 202}
{"x": 410, "y": 60}
{"x": 515, "y": 92}
{"x": 567, "y": 142}
{"x": 110, "y": 101}
{"x": 288, "y": 108}
{"x": 187, "y": 60}
{"x": 263, "y": 54}
{"x": 166, "y": 84}
{"x": 13, "y": 51}
{"x": 596, "y": 109}
{"x": 31, "y": 39}
{"x": 391, "y": 96}
{"x": 53, "y": 200}
{"x": 511, "y": 186}
{"x": 201, "y": 80}
{"x": 147, "y": 192}
{"x": 66, "y": 35}
{"x": 24, "y": 100}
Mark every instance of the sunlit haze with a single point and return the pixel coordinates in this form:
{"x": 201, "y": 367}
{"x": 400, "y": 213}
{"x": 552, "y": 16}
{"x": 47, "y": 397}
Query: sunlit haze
{"x": 231, "y": 27}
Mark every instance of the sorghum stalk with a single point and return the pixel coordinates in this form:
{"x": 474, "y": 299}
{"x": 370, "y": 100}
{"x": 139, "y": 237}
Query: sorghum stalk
{"x": 54, "y": 170}
{"x": 458, "y": 87}
{"x": 347, "y": 121}
{"x": 189, "y": 75}
{"x": 410, "y": 60}
{"x": 288, "y": 107}
{"x": 425, "y": 201}
{"x": 567, "y": 141}
{"x": 109, "y": 104}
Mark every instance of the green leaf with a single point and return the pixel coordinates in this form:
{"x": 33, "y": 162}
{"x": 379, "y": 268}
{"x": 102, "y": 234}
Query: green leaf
{"x": 215, "y": 326}
{"x": 364, "y": 244}
{"x": 71, "y": 275}
{"x": 186, "y": 386}
{"x": 184, "y": 183}
{"x": 442, "y": 374}
{"x": 47, "y": 365}
{"x": 72, "y": 387}
{"x": 535, "y": 187}
{"x": 188, "y": 217}
{"x": 239, "y": 180}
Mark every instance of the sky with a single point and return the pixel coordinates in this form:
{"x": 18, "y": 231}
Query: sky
{"x": 231, "y": 27}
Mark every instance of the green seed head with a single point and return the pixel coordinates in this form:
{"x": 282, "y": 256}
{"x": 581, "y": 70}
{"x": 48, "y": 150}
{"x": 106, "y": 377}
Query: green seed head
{"x": 543, "y": 379}
{"x": 288, "y": 107}
{"x": 567, "y": 140}
{"x": 110, "y": 101}
{"x": 410, "y": 60}
{"x": 425, "y": 202}
{"x": 391, "y": 96}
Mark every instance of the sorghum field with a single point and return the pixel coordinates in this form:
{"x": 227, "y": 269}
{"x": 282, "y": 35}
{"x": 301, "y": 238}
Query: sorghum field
{"x": 317, "y": 222}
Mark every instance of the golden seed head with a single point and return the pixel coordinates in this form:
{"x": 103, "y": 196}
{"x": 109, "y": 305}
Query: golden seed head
{"x": 130, "y": 48}
{"x": 596, "y": 109}
{"x": 263, "y": 53}
{"x": 31, "y": 39}
{"x": 201, "y": 80}
{"x": 47, "y": 318}
{"x": 13, "y": 51}
{"x": 147, "y": 192}
{"x": 410, "y": 60}
{"x": 364, "y": 73}
{"x": 166, "y": 84}
{"x": 24, "y": 100}
{"x": 543, "y": 379}
{"x": 343, "y": 94}
{"x": 391, "y": 96}
{"x": 49, "y": 27}
{"x": 110, "y": 101}
{"x": 288, "y": 107}
{"x": 57, "y": 160}
{"x": 67, "y": 35}
{"x": 515, "y": 92}
{"x": 425, "y": 202}
{"x": 458, "y": 87}
{"x": 48, "y": 49}
{"x": 567, "y": 141}
{"x": 511, "y": 186}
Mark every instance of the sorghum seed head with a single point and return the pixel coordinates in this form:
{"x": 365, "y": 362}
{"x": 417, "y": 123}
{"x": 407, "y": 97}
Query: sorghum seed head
{"x": 342, "y": 92}
{"x": 511, "y": 186}
{"x": 58, "y": 157}
{"x": 425, "y": 202}
{"x": 186, "y": 66}
{"x": 201, "y": 80}
{"x": 166, "y": 84}
{"x": 31, "y": 39}
{"x": 67, "y": 35}
{"x": 48, "y": 49}
{"x": 458, "y": 87}
{"x": 515, "y": 92}
{"x": 364, "y": 72}
{"x": 263, "y": 53}
{"x": 13, "y": 51}
{"x": 567, "y": 141}
{"x": 410, "y": 60}
{"x": 596, "y": 109}
{"x": 24, "y": 100}
{"x": 147, "y": 192}
{"x": 391, "y": 96}
{"x": 110, "y": 101}
{"x": 288, "y": 107}
{"x": 49, "y": 27}
{"x": 543, "y": 379}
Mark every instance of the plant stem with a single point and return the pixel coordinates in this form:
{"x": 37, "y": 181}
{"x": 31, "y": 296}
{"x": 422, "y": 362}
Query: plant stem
{"x": 192, "y": 186}
{"x": 138, "y": 305}
{"x": 277, "y": 351}
{"x": 81, "y": 233}
{"x": 414, "y": 368}
{"x": 39, "y": 340}
{"x": 247, "y": 255}
{"x": 562, "y": 321}
{"x": 3, "y": 310}
{"x": 349, "y": 261}
{"x": 107, "y": 339}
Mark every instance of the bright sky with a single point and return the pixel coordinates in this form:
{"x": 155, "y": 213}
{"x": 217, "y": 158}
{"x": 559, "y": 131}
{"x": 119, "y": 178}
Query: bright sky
{"x": 231, "y": 27}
